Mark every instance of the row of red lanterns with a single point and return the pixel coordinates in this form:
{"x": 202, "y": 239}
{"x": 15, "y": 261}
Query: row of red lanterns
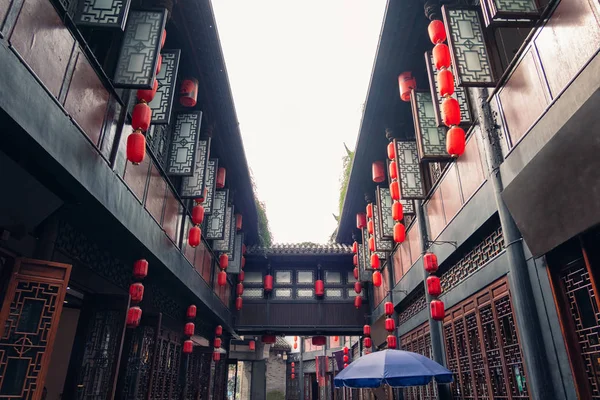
{"x": 346, "y": 356}
{"x": 217, "y": 343}
{"x": 189, "y": 329}
{"x": 358, "y": 300}
{"x": 136, "y": 292}
{"x": 434, "y": 287}
{"x": 390, "y": 325}
{"x": 375, "y": 261}
{"x": 293, "y": 371}
{"x": 295, "y": 342}
{"x": 367, "y": 342}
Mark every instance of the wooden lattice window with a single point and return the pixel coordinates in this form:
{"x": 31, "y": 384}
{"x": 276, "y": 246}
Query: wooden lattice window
{"x": 419, "y": 341}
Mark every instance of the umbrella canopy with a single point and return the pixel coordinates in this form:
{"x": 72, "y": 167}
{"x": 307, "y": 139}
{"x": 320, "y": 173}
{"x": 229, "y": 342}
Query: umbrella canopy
{"x": 393, "y": 367}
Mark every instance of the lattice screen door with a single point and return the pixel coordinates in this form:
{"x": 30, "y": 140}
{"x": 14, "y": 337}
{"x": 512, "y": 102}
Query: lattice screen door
{"x": 28, "y": 324}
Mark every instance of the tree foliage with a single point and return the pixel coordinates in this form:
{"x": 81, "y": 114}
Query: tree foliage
{"x": 344, "y": 179}
{"x": 265, "y": 237}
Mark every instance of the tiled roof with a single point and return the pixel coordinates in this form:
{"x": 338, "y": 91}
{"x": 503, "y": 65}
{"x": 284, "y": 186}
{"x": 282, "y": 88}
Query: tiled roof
{"x": 281, "y": 344}
{"x": 300, "y": 249}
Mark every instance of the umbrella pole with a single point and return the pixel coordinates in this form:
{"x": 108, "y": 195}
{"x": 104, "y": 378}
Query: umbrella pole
{"x": 301, "y": 377}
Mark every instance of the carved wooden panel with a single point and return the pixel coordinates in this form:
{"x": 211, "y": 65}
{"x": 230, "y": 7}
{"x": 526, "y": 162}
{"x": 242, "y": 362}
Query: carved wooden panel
{"x": 384, "y": 206}
{"x": 211, "y": 175}
{"x": 102, "y": 13}
{"x": 193, "y": 186}
{"x": 431, "y": 139}
{"x": 409, "y": 170}
{"x": 235, "y": 259}
{"x": 363, "y": 258}
{"x": 165, "y": 380}
{"x": 223, "y": 245}
{"x": 419, "y": 341}
{"x": 215, "y": 223}
{"x": 182, "y": 155}
{"x": 509, "y": 11}
{"x": 162, "y": 103}
{"x": 381, "y": 244}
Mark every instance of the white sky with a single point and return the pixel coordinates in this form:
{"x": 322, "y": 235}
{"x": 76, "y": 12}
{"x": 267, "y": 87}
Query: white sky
{"x": 299, "y": 72}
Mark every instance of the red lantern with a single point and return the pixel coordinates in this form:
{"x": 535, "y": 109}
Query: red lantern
{"x": 222, "y": 278}
{"x": 197, "y": 214}
{"x": 392, "y": 342}
{"x": 252, "y": 345}
{"x": 437, "y": 31}
{"x": 450, "y": 111}
{"x": 134, "y": 316}
{"x": 434, "y": 286}
{"x": 269, "y": 339}
{"x": 238, "y": 222}
{"x": 136, "y": 291}
{"x": 217, "y": 343}
{"x": 243, "y": 262}
{"x": 189, "y": 329}
{"x": 367, "y": 331}
{"x": 367, "y": 342}
{"x": 377, "y": 279}
{"x": 239, "y": 289}
{"x": 163, "y": 39}
{"x": 355, "y": 272}
{"x": 437, "y": 310}
{"x": 393, "y": 170}
{"x": 218, "y": 330}
{"x": 293, "y": 370}
{"x": 430, "y": 262}
{"x": 378, "y": 170}
{"x": 375, "y": 262}
{"x": 148, "y": 94}
{"x": 389, "y": 308}
{"x": 399, "y": 232}
{"x": 319, "y": 288}
{"x": 371, "y": 227}
{"x": 345, "y": 366}
{"x": 188, "y": 95}
{"x": 361, "y": 220}
{"x": 136, "y": 147}
{"x": 159, "y": 64}
{"x": 140, "y": 269}
{"x": 441, "y": 56}
{"x": 268, "y": 283}
{"x": 216, "y": 356}
{"x": 346, "y": 350}
{"x": 371, "y": 242}
{"x": 295, "y": 346}
{"x": 370, "y": 210}
{"x": 191, "y": 312}
{"x": 357, "y": 287}
{"x": 397, "y": 211}
{"x": 221, "y": 174}
{"x": 355, "y": 247}
{"x": 319, "y": 340}
{"x": 238, "y": 303}
{"x": 391, "y": 151}
{"x": 141, "y": 117}
{"x": 358, "y": 302}
{"x": 355, "y": 260}
{"x": 445, "y": 83}
{"x": 346, "y": 359}
{"x": 241, "y": 276}
{"x": 293, "y": 364}
{"x": 194, "y": 236}
{"x": 456, "y": 141}
{"x": 395, "y": 190}
{"x": 188, "y": 347}
{"x": 390, "y": 325}
{"x": 407, "y": 83}
{"x": 293, "y": 376}
{"x": 223, "y": 261}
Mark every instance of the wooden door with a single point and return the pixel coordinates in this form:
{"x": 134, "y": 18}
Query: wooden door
{"x": 28, "y": 324}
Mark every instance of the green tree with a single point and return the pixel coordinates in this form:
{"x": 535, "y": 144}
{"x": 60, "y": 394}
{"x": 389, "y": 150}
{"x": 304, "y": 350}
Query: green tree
{"x": 344, "y": 179}
{"x": 265, "y": 238}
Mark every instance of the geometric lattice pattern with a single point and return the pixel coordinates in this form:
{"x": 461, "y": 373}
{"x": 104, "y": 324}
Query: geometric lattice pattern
{"x": 466, "y": 39}
{"x": 102, "y": 13}
{"x": 235, "y": 257}
{"x": 409, "y": 171}
{"x": 162, "y": 102}
{"x": 431, "y": 140}
{"x": 193, "y": 186}
{"x": 158, "y": 139}
{"x": 419, "y": 341}
{"x": 381, "y": 244}
{"x": 182, "y": 155}
{"x": 136, "y": 65}
{"x": 413, "y": 307}
{"x": 498, "y": 11}
{"x": 215, "y": 226}
{"x": 165, "y": 381}
{"x": 384, "y": 205}
{"x": 209, "y": 182}
{"x": 139, "y": 363}
{"x": 364, "y": 260}
{"x": 223, "y": 245}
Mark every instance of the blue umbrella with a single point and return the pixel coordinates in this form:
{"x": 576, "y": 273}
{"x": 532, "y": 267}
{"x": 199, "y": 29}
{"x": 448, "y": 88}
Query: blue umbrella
{"x": 393, "y": 367}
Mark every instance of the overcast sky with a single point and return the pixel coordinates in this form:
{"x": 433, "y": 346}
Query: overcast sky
{"x": 299, "y": 72}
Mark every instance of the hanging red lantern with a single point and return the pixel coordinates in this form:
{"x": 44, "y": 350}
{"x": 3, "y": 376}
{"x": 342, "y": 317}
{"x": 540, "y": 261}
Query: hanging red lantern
{"x": 399, "y": 232}
{"x": 407, "y": 84}
{"x": 147, "y": 95}
{"x": 345, "y": 366}
{"x": 295, "y": 346}
{"x": 361, "y": 220}
{"x": 355, "y": 247}
{"x": 159, "y": 64}
{"x": 136, "y": 291}
{"x": 222, "y": 278}
{"x": 367, "y": 343}
{"x": 239, "y": 289}
{"x": 216, "y": 356}
{"x": 372, "y": 243}
{"x": 355, "y": 260}
{"x": 191, "y": 312}
{"x": 252, "y": 345}
{"x": 370, "y": 210}
{"x": 377, "y": 280}
{"x": 319, "y": 288}
{"x": 189, "y": 329}
{"x": 223, "y": 261}
{"x": 268, "y": 283}
{"x": 293, "y": 376}
{"x": 188, "y": 347}
{"x": 389, "y": 308}
{"x": 391, "y": 151}
{"x": 346, "y": 350}
{"x": 450, "y": 111}
{"x": 163, "y": 39}
{"x": 319, "y": 340}
{"x": 243, "y": 262}
{"x": 293, "y": 370}
{"x": 221, "y": 175}
{"x": 367, "y": 330}
{"x": 430, "y": 262}
{"x": 393, "y": 170}
{"x": 241, "y": 276}
{"x": 437, "y": 31}
{"x": 136, "y": 147}
{"x": 357, "y": 287}
{"x": 218, "y": 330}
{"x": 375, "y": 262}
{"x": 140, "y": 269}
{"x": 194, "y": 236}
{"x": 269, "y": 339}
{"x": 378, "y": 170}
{"x": 188, "y": 94}
{"x": 358, "y": 302}
{"x": 445, "y": 83}
{"x": 397, "y": 211}
{"x": 238, "y": 303}
{"x": 141, "y": 117}
{"x": 238, "y": 222}
{"x": 134, "y": 316}
{"x": 371, "y": 227}
{"x": 456, "y": 141}
{"x": 395, "y": 190}
{"x": 437, "y": 310}
{"x": 441, "y": 56}
{"x": 355, "y": 272}
{"x": 346, "y": 359}
{"x": 390, "y": 325}
{"x": 197, "y": 214}
{"x": 392, "y": 342}
{"x": 434, "y": 286}
{"x": 217, "y": 343}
